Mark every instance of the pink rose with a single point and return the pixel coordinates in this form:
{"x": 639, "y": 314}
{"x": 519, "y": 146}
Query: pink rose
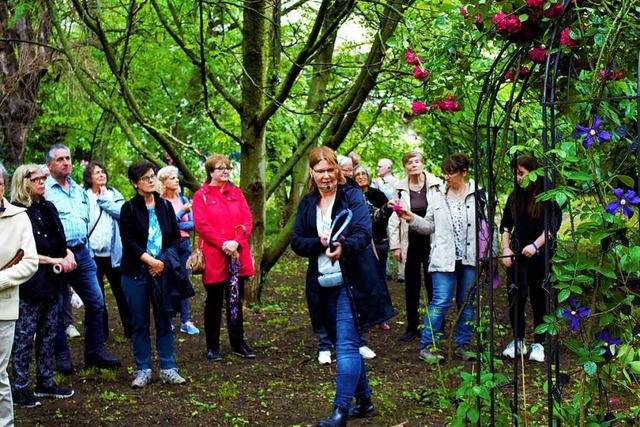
{"x": 418, "y": 107}
{"x": 566, "y": 39}
{"x": 554, "y": 11}
{"x": 411, "y": 58}
{"x": 524, "y": 71}
{"x": 420, "y": 73}
{"x": 464, "y": 12}
{"x": 538, "y": 55}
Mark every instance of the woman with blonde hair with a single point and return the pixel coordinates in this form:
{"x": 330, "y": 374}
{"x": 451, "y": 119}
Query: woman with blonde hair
{"x": 333, "y": 230}
{"x": 168, "y": 186}
{"x": 40, "y": 294}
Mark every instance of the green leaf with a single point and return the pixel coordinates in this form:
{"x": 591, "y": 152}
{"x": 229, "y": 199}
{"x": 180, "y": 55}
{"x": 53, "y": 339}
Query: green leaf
{"x": 599, "y": 39}
{"x": 473, "y": 415}
{"x": 627, "y": 180}
{"x": 590, "y": 368}
{"x": 635, "y": 366}
{"x": 606, "y": 319}
{"x": 563, "y": 295}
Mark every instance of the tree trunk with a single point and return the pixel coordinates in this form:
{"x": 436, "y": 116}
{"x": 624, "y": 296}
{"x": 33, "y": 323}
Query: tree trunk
{"x": 23, "y": 63}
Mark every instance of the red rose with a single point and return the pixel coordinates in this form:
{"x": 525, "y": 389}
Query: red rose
{"x": 510, "y": 75}
{"x": 513, "y": 24}
{"x": 419, "y": 73}
{"x": 524, "y": 71}
{"x": 500, "y": 21}
{"x": 554, "y": 11}
{"x": 538, "y": 55}
{"x": 536, "y": 4}
{"x": 411, "y": 58}
{"x": 464, "y": 12}
{"x": 418, "y": 107}
{"x": 566, "y": 39}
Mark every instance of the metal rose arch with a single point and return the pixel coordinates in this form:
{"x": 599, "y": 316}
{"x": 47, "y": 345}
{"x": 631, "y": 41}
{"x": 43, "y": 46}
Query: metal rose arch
{"x": 496, "y": 139}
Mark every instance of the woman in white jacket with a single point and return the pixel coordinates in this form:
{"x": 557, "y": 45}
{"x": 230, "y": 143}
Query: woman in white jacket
{"x": 410, "y": 248}
{"x": 451, "y": 220}
{"x": 16, "y": 236}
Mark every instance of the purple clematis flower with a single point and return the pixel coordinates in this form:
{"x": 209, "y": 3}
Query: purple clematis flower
{"x": 608, "y": 342}
{"x": 591, "y": 134}
{"x": 574, "y": 314}
{"x": 623, "y": 202}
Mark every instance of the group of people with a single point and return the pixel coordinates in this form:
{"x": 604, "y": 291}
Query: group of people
{"x": 62, "y": 234}
{"x": 434, "y": 229}
{"x": 59, "y": 234}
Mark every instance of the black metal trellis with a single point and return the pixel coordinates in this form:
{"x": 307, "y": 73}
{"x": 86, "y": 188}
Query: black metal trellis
{"x": 487, "y": 156}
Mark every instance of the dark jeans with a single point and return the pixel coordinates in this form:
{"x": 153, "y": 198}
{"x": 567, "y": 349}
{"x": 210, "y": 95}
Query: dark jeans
{"x": 185, "y": 253}
{"x": 138, "y": 292}
{"x": 530, "y": 280}
{"x": 114, "y": 277}
{"x": 351, "y": 375}
{"x": 213, "y": 314}
{"x": 415, "y": 270}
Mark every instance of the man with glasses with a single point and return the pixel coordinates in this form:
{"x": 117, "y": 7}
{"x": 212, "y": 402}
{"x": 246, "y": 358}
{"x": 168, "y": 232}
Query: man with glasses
{"x": 73, "y": 206}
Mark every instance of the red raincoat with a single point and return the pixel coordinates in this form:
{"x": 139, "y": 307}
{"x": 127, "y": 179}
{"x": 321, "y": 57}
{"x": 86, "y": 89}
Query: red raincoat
{"x": 224, "y": 216}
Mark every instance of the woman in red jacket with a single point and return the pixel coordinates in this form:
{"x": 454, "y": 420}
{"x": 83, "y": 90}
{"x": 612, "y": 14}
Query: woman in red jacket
{"x": 223, "y": 221}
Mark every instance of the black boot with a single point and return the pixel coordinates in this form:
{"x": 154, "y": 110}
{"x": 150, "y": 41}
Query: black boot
{"x": 363, "y": 408}
{"x": 338, "y": 418}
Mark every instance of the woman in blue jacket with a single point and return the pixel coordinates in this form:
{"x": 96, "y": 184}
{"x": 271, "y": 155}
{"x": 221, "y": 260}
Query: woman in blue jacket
{"x": 342, "y": 275}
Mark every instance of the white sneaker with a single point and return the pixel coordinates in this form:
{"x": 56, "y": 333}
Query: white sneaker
{"x": 366, "y": 352}
{"x": 72, "y": 332}
{"x": 537, "y": 353}
{"x": 324, "y": 357}
{"x": 510, "y": 350}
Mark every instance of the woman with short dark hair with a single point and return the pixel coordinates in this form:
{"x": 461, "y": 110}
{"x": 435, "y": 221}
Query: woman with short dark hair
{"x": 149, "y": 231}
{"x": 105, "y": 204}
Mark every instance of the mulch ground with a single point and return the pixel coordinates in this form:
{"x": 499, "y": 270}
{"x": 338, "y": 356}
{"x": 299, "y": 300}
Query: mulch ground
{"x": 283, "y": 386}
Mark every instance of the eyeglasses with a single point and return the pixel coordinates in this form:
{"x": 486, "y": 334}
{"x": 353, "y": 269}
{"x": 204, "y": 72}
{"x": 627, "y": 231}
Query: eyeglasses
{"x": 148, "y": 179}
{"x": 323, "y": 171}
{"x": 360, "y": 174}
{"x": 38, "y": 179}
{"x": 222, "y": 169}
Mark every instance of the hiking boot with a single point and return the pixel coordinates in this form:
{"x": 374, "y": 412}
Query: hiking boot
{"x": 24, "y": 398}
{"x": 243, "y": 350}
{"x": 430, "y": 355}
{"x": 537, "y": 353}
{"x": 101, "y": 359}
{"x": 510, "y": 349}
{"x": 324, "y": 357}
{"x": 338, "y": 418}
{"x": 366, "y": 352}
{"x": 189, "y": 328}
{"x": 54, "y": 391}
{"x": 141, "y": 379}
{"x": 171, "y": 376}
{"x": 464, "y": 353}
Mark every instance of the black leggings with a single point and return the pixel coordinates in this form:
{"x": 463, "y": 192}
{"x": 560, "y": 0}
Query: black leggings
{"x": 530, "y": 284}
{"x": 416, "y": 265}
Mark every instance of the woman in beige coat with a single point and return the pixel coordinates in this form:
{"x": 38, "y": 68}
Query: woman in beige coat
{"x": 16, "y": 237}
{"x": 414, "y": 192}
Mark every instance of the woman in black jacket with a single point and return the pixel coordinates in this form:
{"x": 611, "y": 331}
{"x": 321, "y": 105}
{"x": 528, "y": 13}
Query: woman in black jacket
{"x": 343, "y": 275}
{"x": 39, "y": 295}
{"x": 148, "y": 228}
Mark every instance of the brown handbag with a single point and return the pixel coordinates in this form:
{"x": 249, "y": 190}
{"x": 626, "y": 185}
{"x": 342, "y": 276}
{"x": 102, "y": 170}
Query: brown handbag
{"x": 195, "y": 262}
{"x": 13, "y": 261}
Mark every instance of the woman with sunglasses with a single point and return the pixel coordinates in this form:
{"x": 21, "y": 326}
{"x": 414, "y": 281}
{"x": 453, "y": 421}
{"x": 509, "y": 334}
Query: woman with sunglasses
{"x": 333, "y": 230}
{"x": 223, "y": 222}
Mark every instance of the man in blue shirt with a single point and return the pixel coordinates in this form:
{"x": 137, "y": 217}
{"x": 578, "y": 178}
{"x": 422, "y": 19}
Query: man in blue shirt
{"x": 73, "y": 206}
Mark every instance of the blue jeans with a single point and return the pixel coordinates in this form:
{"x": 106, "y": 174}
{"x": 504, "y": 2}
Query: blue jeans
{"x": 138, "y": 295}
{"x": 445, "y": 285}
{"x": 84, "y": 281}
{"x": 184, "y": 253}
{"x": 351, "y": 377}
